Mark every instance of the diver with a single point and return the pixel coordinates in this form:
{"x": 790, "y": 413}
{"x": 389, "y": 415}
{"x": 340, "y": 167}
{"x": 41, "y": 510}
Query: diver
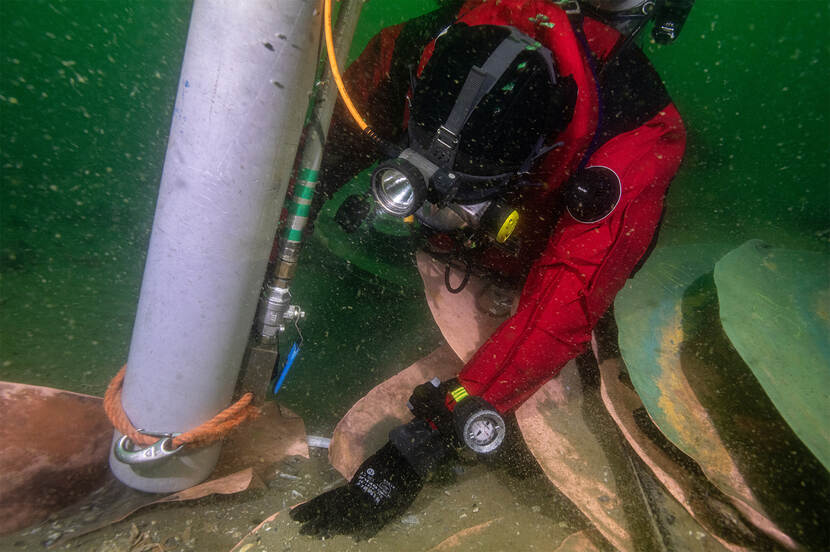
{"x": 533, "y": 144}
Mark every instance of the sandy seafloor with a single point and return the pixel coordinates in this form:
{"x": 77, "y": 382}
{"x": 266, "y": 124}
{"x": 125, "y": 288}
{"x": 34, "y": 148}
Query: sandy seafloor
{"x": 497, "y": 510}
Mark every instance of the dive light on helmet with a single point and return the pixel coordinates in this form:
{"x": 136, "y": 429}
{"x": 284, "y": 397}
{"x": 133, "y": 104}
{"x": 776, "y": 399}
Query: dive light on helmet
{"x": 411, "y": 184}
{"x": 401, "y": 185}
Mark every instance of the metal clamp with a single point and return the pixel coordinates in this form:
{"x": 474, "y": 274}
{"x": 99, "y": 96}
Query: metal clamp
{"x": 126, "y": 451}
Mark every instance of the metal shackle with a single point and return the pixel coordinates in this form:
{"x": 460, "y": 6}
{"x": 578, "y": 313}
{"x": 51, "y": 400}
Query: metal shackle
{"x": 126, "y": 451}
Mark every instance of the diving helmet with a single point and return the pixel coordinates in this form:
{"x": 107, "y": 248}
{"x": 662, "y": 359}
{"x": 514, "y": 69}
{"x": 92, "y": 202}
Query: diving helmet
{"x": 487, "y": 105}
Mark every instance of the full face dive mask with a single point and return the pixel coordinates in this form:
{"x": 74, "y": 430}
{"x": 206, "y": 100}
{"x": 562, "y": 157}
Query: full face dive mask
{"x": 486, "y": 106}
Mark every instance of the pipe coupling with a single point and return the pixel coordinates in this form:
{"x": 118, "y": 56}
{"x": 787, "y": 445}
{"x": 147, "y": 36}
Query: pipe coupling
{"x": 277, "y": 301}
{"x": 276, "y": 310}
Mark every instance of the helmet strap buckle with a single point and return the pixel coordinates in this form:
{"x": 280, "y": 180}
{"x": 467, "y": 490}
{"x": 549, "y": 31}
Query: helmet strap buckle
{"x": 570, "y": 7}
{"x": 444, "y": 146}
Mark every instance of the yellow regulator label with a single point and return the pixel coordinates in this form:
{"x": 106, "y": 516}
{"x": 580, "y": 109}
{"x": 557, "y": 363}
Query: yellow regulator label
{"x": 508, "y": 226}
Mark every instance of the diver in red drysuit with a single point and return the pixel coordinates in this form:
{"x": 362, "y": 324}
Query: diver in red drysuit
{"x": 591, "y": 155}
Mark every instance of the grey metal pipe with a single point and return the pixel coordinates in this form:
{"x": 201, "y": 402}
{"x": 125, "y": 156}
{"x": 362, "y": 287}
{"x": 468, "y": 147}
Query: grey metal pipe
{"x": 238, "y": 115}
{"x": 278, "y": 297}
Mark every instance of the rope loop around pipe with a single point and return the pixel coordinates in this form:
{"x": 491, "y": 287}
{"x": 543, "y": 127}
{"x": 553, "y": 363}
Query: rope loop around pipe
{"x": 208, "y": 433}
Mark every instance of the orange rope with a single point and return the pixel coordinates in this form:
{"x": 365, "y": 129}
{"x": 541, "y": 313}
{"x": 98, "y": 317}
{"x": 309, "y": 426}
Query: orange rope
{"x": 209, "y": 432}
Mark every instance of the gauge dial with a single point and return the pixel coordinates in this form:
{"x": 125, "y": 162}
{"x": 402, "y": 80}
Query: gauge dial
{"x": 484, "y": 431}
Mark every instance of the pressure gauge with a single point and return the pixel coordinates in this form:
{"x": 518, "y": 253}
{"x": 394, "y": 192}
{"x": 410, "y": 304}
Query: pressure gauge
{"x": 484, "y": 431}
{"x": 477, "y": 423}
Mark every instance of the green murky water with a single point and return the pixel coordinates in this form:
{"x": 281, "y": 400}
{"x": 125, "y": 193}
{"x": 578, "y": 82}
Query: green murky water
{"x": 86, "y": 95}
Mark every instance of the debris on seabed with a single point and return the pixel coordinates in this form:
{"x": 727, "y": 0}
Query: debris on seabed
{"x": 410, "y": 520}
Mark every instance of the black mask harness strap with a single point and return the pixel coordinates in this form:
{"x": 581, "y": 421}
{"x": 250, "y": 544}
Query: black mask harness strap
{"x": 479, "y": 81}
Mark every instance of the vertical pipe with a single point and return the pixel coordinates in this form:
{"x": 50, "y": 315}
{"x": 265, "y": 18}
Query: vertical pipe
{"x": 278, "y": 296}
{"x": 241, "y": 99}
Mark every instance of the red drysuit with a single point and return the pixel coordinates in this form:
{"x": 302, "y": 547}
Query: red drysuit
{"x": 626, "y": 123}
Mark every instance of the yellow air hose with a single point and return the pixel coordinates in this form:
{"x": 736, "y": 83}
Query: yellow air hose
{"x": 335, "y": 71}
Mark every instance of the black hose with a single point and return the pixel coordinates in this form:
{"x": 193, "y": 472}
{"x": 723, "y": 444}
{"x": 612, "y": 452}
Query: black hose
{"x": 464, "y": 281}
{"x": 386, "y": 147}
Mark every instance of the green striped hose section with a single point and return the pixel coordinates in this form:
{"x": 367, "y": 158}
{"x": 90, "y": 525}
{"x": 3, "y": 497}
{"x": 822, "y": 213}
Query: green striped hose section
{"x": 300, "y": 205}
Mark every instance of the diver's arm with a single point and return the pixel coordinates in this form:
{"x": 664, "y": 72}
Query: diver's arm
{"x": 582, "y": 268}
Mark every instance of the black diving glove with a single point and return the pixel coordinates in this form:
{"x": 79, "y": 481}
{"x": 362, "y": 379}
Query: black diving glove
{"x": 381, "y": 489}
{"x": 428, "y": 403}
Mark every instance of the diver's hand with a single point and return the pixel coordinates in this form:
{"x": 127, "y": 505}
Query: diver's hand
{"x": 381, "y": 489}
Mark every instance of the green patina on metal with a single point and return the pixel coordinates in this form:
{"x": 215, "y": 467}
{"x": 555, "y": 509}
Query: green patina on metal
{"x": 775, "y": 309}
{"x": 704, "y": 398}
{"x": 651, "y": 335}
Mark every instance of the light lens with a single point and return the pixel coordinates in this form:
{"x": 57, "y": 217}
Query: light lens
{"x": 394, "y": 191}
{"x": 399, "y": 187}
